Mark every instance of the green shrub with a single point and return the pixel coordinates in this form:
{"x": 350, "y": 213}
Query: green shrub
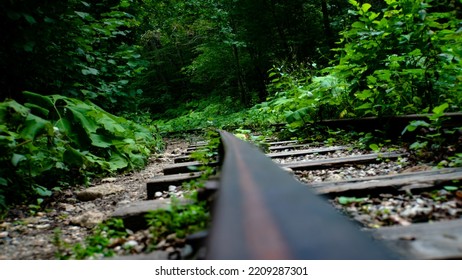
{"x": 53, "y": 141}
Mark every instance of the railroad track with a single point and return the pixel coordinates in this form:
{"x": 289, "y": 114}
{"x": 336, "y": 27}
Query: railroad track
{"x": 272, "y": 206}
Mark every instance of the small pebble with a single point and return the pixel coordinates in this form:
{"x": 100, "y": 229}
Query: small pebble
{"x": 158, "y": 194}
{"x": 44, "y": 226}
{"x": 130, "y": 244}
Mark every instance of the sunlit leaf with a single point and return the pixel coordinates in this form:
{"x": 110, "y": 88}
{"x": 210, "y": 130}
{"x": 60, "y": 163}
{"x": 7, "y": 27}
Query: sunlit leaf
{"x": 365, "y": 7}
{"x": 17, "y": 158}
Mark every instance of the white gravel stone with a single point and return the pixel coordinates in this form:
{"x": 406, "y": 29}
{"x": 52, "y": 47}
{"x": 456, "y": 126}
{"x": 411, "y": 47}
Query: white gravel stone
{"x": 130, "y": 244}
{"x": 44, "y": 226}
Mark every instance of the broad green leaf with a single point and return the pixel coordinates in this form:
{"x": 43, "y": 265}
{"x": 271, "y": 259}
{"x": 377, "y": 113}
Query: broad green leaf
{"x": 18, "y": 108}
{"x": 137, "y": 160}
{"x": 110, "y": 124}
{"x": 38, "y": 108}
{"x": 90, "y": 71}
{"x": 124, "y": 3}
{"x": 49, "y": 20}
{"x": 365, "y": 7}
{"x": 17, "y": 158}
{"x": 33, "y": 126}
{"x": 439, "y": 110}
{"x": 100, "y": 140}
{"x": 117, "y": 162}
{"x": 415, "y": 124}
{"x": 374, "y": 147}
{"x": 451, "y": 188}
{"x": 64, "y": 125}
{"x": 89, "y": 125}
{"x": 418, "y": 145}
{"x": 416, "y": 52}
{"x": 364, "y": 106}
{"x": 132, "y": 64}
{"x": 371, "y": 80}
{"x": 30, "y": 19}
{"x": 41, "y": 191}
{"x": 373, "y": 15}
{"x": 353, "y": 2}
{"x": 358, "y": 24}
{"x": 46, "y": 102}
{"x": 83, "y": 15}
{"x": 73, "y": 157}
{"x": 3, "y": 182}
{"x": 89, "y": 93}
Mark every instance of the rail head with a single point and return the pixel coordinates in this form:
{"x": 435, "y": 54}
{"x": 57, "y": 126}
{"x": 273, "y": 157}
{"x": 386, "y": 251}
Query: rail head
{"x": 262, "y": 212}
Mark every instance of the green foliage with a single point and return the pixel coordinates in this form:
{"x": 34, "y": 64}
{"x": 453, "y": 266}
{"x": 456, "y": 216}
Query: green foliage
{"x": 405, "y": 58}
{"x": 300, "y": 97}
{"x": 431, "y": 136}
{"x": 224, "y": 47}
{"x": 85, "y": 50}
{"x": 456, "y": 160}
{"x": 179, "y": 219}
{"x": 96, "y": 245}
{"x": 53, "y": 141}
{"x": 209, "y": 152}
{"x": 213, "y": 112}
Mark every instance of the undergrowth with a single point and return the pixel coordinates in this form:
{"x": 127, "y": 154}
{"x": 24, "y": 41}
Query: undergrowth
{"x": 53, "y": 142}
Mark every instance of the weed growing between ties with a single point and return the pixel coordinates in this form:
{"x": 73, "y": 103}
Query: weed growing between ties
{"x": 434, "y": 142}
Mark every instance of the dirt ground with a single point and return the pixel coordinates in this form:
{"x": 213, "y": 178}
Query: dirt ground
{"x": 25, "y": 235}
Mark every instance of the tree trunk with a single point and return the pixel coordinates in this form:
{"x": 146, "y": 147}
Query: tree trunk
{"x": 243, "y": 91}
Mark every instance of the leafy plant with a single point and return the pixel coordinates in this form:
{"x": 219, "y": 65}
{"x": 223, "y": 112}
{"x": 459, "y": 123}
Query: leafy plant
{"x": 432, "y": 136}
{"x": 395, "y": 60}
{"x": 456, "y": 160}
{"x": 96, "y": 245}
{"x": 403, "y": 56}
{"x": 34, "y": 208}
{"x": 53, "y": 141}
{"x": 179, "y": 219}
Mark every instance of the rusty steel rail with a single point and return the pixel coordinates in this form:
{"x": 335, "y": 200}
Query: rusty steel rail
{"x": 262, "y": 212}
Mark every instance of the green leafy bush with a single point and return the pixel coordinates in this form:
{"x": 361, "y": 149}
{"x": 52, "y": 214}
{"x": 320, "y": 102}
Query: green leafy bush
{"x": 51, "y": 141}
{"x": 404, "y": 58}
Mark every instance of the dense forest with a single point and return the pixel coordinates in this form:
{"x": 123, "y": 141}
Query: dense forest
{"x": 89, "y": 86}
